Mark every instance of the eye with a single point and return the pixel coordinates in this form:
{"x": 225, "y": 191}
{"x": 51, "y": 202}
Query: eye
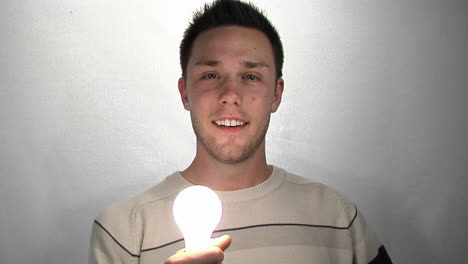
{"x": 210, "y": 76}
{"x": 251, "y": 77}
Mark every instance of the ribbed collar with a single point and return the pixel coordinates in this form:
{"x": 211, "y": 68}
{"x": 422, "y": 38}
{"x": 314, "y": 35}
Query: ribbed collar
{"x": 254, "y": 192}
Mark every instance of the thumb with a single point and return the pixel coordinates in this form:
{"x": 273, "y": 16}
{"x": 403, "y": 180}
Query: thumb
{"x": 222, "y": 242}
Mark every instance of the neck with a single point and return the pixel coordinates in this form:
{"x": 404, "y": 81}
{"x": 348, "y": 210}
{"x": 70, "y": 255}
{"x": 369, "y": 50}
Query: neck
{"x": 205, "y": 170}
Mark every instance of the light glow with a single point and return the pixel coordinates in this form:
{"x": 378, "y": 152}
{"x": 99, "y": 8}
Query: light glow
{"x": 197, "y": 211}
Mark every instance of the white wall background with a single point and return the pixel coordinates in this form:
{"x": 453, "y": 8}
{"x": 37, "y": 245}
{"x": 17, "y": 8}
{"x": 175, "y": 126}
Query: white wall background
{"x": 375, "y": 106}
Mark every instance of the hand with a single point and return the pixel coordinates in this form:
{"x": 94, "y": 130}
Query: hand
{"x": 214, "y": 254}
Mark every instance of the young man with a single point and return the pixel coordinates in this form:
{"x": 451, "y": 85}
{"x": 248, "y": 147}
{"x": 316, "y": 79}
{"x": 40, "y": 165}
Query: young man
{"x": 231, "y": 59}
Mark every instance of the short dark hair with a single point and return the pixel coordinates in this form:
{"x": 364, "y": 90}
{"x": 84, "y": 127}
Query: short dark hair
{"x": 230, "y": 12}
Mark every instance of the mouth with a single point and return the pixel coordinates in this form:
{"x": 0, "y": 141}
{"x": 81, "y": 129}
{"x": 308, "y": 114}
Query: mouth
{"x": 230, "y": 124}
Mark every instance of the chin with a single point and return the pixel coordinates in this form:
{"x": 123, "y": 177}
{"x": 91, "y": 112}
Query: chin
{"x": 231, "y": 160}
{"x": 231, "y": 157}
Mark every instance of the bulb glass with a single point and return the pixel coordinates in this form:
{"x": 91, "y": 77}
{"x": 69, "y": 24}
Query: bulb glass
{"x": 197, "y": 211}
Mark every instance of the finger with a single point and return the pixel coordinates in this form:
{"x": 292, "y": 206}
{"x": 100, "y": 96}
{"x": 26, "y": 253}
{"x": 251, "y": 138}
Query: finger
{"x": 180, "y": 251}
{"x": 206, "y": 256}
{"x": 222, "y": 242}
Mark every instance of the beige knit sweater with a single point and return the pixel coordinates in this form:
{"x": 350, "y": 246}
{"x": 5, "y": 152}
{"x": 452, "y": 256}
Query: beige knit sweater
{"x": 286, "y": 219}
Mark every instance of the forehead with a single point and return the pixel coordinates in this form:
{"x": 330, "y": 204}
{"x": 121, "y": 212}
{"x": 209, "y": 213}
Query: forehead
{"x": 232, "y": 42}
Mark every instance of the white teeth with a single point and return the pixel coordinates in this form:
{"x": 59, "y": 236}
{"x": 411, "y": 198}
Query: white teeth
{"x": 229, "y": 123}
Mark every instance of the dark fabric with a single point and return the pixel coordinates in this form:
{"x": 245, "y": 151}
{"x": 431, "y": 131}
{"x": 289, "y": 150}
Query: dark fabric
{"x": 382, "y": 257}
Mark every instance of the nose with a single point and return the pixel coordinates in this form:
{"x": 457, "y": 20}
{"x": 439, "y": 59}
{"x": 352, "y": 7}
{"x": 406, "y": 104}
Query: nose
{"x": 230, "y": 92}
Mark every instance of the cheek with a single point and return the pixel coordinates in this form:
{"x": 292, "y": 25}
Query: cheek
{"x": 264, "y": 98}
{"x": 203, "y": 104}
{"x": 261, "y": 103}
{"x": 201, "y": 96}
{"x": 261, "y": 95}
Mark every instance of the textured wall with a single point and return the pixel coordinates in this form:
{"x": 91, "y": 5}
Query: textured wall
{"x": 374, "y": 105}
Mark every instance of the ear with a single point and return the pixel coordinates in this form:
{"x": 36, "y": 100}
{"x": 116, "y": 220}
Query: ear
{"x": 278, "y": 95}
{"x": 183, "y": 93}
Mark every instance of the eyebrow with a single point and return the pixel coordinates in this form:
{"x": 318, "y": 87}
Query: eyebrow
{"x": 247, "y": 64}
{"x": 207, "y": 62}
{"x": 254, "y": 64}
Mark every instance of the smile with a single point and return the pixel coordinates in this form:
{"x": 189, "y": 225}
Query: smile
{"x": 229, "y": 122}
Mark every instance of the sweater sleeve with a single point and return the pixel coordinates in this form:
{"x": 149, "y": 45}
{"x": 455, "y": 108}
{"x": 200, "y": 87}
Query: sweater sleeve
{"x": 105, "y": 248}
{"x": 115, "y": 235}
{"x": 367, "y": 248}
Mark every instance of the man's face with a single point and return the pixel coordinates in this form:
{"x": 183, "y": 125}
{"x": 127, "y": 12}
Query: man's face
{"x": 230, "y": 90}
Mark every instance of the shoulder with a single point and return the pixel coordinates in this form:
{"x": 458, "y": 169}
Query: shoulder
{"x": 334, "y": 210}
{"x": 123, "y": 221}
{"x": 129, "y": 207}
{"x": 321, "y": 197}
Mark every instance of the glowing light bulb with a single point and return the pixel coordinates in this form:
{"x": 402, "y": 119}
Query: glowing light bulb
{"x": 197, "y": 211}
